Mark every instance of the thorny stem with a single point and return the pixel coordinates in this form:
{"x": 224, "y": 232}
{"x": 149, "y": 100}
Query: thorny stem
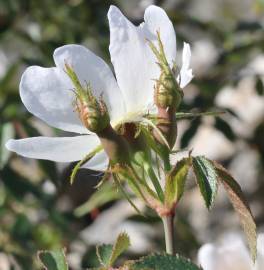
{"x": 168, "y": 223}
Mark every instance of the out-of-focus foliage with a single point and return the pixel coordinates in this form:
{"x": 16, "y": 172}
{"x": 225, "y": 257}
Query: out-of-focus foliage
{"x": 36, "y": 201}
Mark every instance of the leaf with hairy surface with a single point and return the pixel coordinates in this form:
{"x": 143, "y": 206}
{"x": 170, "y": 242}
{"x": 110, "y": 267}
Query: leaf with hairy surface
{"x": 53, "y": 260}
{"x": 240, "y": 205}
{"x": 107, "y": 254}
{"x": 206, "y": 178}
{"x": 163, "y": 262}
{"x": 104, "y": 253}
{"x": 122, "y": 243}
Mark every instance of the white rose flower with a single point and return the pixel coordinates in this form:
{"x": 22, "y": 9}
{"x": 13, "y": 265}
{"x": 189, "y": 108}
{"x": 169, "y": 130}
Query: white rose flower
{"x": 46, "y": 92}
{"x": 231, "y": 253}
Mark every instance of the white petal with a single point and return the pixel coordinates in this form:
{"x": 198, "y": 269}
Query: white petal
{"x": 260, "y": 256}
{"x": 64, "y": 149}
{"x": 230, "y": 254}
{"x": 134, "y": 62}
{"x": 233, "y": 246}
{"x": 46, "y": 93}
{"x": 186, "y": 72}
{"x": 207, "y": 256}
{"x": 92, "y": 69}
{"x": 156, "y": 19}
{"x": 98, "y": 163}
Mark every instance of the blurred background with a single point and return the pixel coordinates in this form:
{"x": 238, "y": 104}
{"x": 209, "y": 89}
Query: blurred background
{"x": 39, "y": 209}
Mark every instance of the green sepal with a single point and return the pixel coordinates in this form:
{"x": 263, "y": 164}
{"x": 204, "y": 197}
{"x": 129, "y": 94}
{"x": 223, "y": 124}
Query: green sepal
{"x": 155, "y": 181}
{"x": 125, "y": 194}
{"x": 206, "y": 178}
{"x": 151, "y": 141}
{"x": 163, "y": 151}
{"x": 154, "y": 126}
{"x": 141, "y": 155}
{"x": 105, "y": 177}
{"x": 167, "y": 89}
{"x": 83, "y": 161}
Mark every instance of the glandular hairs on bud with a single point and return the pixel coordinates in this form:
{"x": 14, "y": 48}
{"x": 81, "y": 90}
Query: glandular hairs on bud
{"x": 167, "y": 90}
{"x": 92, "y": 112}
{"x": 94, "y": 115}
{"x": 167, "y": 96}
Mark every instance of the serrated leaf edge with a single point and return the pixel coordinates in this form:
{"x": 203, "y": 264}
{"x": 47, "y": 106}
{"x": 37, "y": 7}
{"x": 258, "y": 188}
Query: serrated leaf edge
{"x": 115, "y": 256}
{"x": 178, "y": 256}
{"x": 212, "y": 200}
{"x": 99, "y": 255}
{"x": 253, "y": 248}
{"x": 63, "y": 250}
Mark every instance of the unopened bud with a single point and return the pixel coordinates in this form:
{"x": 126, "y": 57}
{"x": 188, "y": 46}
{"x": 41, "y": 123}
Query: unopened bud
{"x": 168, "y": 93}
{"x": 92, "y": 112}
{"x": 167, "y": 97}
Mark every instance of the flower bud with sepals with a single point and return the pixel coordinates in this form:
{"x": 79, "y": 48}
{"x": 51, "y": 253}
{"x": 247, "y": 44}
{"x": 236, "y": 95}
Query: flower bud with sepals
{"x": 168, "y": 93}
{"x": 118, "y": 147}
{"x": 94, "y": 115}
{"x": 167, "y": 96}
{"x": 92, "y": 112}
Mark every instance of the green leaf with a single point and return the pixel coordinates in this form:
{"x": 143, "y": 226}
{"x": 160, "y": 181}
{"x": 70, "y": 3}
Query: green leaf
{"x": 122, "y": 243}
{"x": 259, "y": 86}
{"x": 206, "y": 178}
{"x": 107, "y": 254}
{"x": 241, "y": 206}
{"x": 53, "y": 260}
{"x": 163, "y": 262}
{"x": 104, "y": 253}
{"x": 6, "y": 132}
{"x": 175, "y": 182}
